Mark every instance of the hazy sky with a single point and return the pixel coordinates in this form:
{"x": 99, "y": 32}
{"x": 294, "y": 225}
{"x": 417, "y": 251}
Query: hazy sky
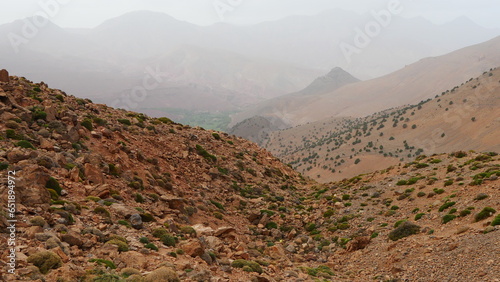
{"x": 90, "y": 13}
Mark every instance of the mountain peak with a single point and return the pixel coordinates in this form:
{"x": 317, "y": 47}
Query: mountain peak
{"x": 333, "y": 80}
{"x": 336, "y": 72}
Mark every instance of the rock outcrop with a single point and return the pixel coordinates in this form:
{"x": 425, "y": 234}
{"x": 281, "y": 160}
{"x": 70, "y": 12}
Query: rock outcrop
{"x": 4, "y": 75}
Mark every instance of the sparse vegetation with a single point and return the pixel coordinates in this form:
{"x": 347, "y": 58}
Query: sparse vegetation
{"x": 404, "y": 230}
{"x": 45, "y": 261}
{"x": 485, "y": 213}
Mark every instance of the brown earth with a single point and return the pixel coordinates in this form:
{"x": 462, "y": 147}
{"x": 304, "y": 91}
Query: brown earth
{"x": 94, "y": 185}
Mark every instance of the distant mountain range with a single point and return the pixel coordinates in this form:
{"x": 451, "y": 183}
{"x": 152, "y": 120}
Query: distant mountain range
{"x": 238, "y": 65}
{"x": 410, "y": 85}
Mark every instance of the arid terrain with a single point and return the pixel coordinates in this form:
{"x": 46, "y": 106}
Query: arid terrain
{"x": 110, "y": 195}
{"x": 464, "y": 117}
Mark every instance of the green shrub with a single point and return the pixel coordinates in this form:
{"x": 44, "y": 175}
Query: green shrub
{"x": 11, "y": 134}
{"x": 151, "y": 246}
{"x": 251, "y": 266}
{"x": 144, "y": 240}
{"x": 412, "y": 180}
{"x": 496, "y": 220}
{"x": 129, "y": 271}
{"x": 165, "y": 120}
{"x": 38, "y": 221}
{"x": 53, "y": 194}
{"x": 45, "y": 261}
{"x": 271, "y": 225}
{"x": 402, "y": 182}
{"x": 399, "y": 222}
{"x": 421, "y": 194}
{"x": 92, "y": 198}
{"x": 310, "y": 227}
{"x": 136, "y": 185}
{"x": 3, "y": 166}
{"x": 39, "y": 115}
{"x": 485, "y": 213}
{"x": 168, "y": 240}
{"x": 159, "y": 232}
{"x": 217, "y": 204}
{"x": 321, "y": 270}
{"x": 99, "y": 121}
{"x": 465, "y": 213}
{"x": 202, "y": 152}
{"x": 216, "y": 136}
{"x": 139, "y": 198}
{"x": 124, "y": 121}
{"x": 102, "y": 211}
{"x": 113, "y": 170}
{"x": 419, "y": 216}
{"x": 53, "y": 184}
{"x": 60, "y": 97}
{"x": 446, "y": 205}
{"x": 447, "y": 218}
{"x": 345, "y": 197}
{"x": 25, "y": 144}
{"x": 122, "y": 246}
{"x": 328, "y": 213}
{"x": 104, "y": 262}
{"x": 188, "y": 230}
{"x": 218, "y": 215}
{"x": 125, "y": 223}
{"x": 87, "y": 123}
{"x": 438, "y": 191}
{"x": 147, "y": 217}
{"x": 404, "y": 230}
{"x": 448, "y": 183}
{"x": 343, "y": 226}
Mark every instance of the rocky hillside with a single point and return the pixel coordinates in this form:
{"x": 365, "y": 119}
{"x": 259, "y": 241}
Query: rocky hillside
{"x": 462, "y": 118}
{"x": 108, "y": 195}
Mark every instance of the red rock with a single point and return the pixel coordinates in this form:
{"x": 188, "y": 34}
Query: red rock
{"x": 4, "y": 75}
{"x": 93, "y": 174}
{"x": 193, "y": 248}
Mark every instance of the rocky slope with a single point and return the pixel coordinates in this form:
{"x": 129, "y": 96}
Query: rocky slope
{"x": 110, "y": 195}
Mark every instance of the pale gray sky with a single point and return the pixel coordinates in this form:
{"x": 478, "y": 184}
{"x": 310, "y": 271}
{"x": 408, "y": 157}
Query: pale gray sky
{"x": 90, "y": 13}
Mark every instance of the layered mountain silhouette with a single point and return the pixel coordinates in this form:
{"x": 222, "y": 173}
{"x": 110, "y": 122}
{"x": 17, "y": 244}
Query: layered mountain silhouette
{"x": 242, "y": 65}
{"x": 410, "y": 85}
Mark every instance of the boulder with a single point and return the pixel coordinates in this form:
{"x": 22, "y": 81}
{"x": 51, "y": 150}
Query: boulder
{"x": 93, "y": 174}
{"x": 136, "y": 221}
{"x": 193, "y": 248}
{"x": 4, "y": 75}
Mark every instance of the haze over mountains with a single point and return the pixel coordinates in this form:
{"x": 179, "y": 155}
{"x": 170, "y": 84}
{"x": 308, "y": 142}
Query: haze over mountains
{"x": 410, "y": 85}
{"x": 377, "y": 165}
{"x": 237, "y": 65}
